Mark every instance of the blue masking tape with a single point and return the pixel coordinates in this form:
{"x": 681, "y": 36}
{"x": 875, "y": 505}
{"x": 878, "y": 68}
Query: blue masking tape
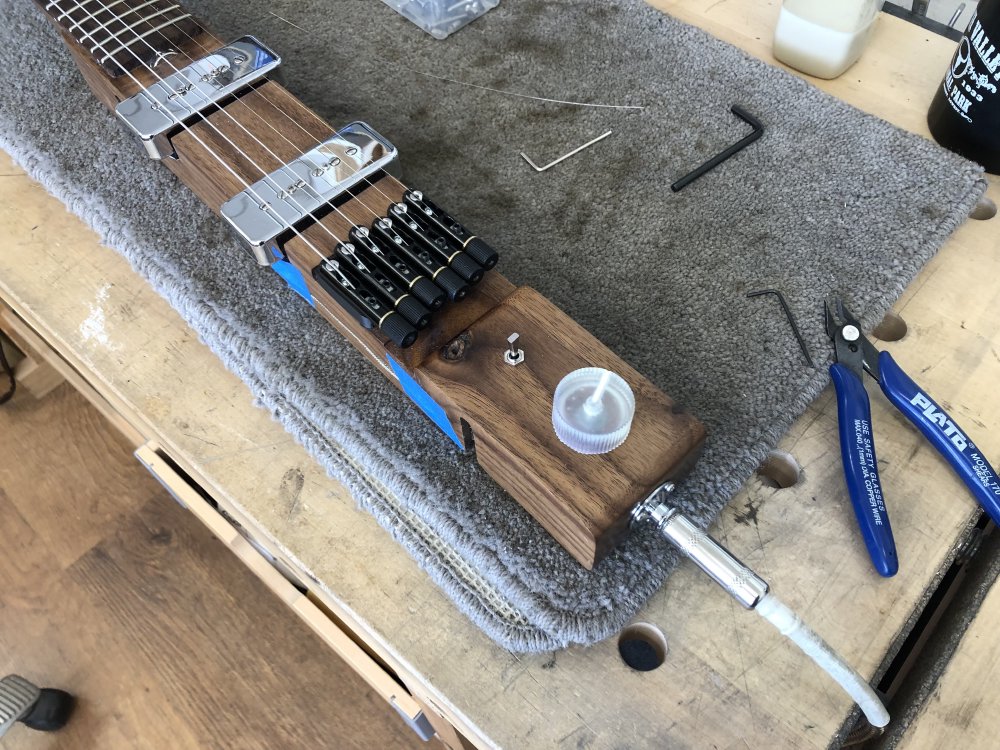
{"x": 293, "y": 277}
{"x": 421, "y": 398}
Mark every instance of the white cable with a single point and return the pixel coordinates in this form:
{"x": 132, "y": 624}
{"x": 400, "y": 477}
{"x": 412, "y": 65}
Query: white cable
{"x": 791, "y": 625}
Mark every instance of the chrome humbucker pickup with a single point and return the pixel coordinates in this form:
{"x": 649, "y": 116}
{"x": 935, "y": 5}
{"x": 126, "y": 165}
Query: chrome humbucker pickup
{"x": 156, "y": 112}
{"x": 268, "y": 210}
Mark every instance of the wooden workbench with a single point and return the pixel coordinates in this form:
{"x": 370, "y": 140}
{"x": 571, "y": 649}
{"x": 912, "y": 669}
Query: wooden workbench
{"x": 729, "y": 680}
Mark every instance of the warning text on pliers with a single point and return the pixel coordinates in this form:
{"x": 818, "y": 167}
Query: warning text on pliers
{"x": 865, "y": 449}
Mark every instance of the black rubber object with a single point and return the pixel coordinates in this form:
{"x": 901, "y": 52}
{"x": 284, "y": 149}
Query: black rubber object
{"x": 429, "y": 293}
{"x": 482, "y": 253}
{"x": 467, "y": 268}
{"x": 452, "y": 284}
{"x": 399, "y": 330}
{"x": 708, "y": 166}
{"x": 50, "y": 712}
{"x": 411, "y": 309}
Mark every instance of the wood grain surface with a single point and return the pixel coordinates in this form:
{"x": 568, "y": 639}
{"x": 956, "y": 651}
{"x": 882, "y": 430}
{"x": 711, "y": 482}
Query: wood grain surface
{"x": 583, "y": 501}
{"x": 583, "y": 505}
{"x": 729, "y": 681}
{"x": 114, "y": 592}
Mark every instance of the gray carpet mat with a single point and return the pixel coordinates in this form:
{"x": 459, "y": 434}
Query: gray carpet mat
{"x": 828, "y": 200}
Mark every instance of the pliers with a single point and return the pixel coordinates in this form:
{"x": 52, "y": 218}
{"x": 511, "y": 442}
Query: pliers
{"x": 856, "y": 354}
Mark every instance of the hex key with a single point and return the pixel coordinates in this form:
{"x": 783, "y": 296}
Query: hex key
{"x": 791, "y": 319}
{"x": 758, "y": 131}
{"x": 564, "y": 157}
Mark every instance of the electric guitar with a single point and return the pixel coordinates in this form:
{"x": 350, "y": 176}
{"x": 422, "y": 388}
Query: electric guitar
{"x": 411, "y": 287}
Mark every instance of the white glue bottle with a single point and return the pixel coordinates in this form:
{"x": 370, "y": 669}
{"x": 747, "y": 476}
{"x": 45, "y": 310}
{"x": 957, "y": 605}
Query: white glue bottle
{"x": 824, "y": 37}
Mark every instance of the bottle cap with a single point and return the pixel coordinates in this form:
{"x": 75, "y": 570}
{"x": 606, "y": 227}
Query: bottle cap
{"x": 592, "y": 410}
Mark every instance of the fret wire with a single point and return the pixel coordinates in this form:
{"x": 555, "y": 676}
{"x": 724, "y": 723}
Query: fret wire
{"x": 116, "y": 18}
{"x": 140, "y": 37}
{"x": 131, "y": 27}
{"x": 64, "y": 14}
{"x": 89, "y": 16}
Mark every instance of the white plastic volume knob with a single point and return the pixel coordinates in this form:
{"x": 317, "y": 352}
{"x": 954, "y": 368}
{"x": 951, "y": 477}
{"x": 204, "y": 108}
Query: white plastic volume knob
{"x": 592, "y": 410}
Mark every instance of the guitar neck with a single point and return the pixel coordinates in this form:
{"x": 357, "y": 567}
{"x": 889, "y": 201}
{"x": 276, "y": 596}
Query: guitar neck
{"x": 310, "y": 200}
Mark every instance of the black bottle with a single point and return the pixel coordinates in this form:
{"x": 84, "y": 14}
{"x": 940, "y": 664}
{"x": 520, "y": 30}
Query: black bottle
{"x": 965, "y": 113}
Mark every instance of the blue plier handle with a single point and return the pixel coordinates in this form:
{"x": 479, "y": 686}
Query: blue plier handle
{"x": 856, "y": 355}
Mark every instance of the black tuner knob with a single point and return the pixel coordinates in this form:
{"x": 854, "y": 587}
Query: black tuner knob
{"x": 428, "y": 292}
{"x": 452, "y": 283}
{"x": 467, "y": 268}
{"x": 399, "y": 330}
{"x": 51, "y": 711}
{"x": 482, "y": 253}
{"x": 411, "y": 309}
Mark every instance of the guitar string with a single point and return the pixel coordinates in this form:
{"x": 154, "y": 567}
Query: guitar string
{"x": 267, "y": 175}
{"x": 363, "y": 344}
{"x": 295, "y": 122}
{"x": 208, "y": 150}
{"x": 260, "y": 95}
{"x": 345, "y": 328}
{"x": 283, "y": 166}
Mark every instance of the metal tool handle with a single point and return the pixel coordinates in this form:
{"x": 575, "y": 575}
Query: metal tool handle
{"x": 943, "y": 433}
{"x": 857, "y": 447}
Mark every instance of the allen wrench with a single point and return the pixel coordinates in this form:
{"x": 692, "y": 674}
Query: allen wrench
{"x": 576, "y": 150}
{"x": 758, "y": 131}
{"x": 791, "y": 319}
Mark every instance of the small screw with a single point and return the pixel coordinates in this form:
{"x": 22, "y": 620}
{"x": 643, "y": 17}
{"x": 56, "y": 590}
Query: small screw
{"x": 513, "y": 355}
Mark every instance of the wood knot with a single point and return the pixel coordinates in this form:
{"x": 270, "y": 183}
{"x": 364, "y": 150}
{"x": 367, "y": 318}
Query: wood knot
{"x": 454, "y": 350}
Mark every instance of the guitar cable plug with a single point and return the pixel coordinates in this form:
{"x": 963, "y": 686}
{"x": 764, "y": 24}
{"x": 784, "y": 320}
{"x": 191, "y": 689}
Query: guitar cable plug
{"x": 753, "y": 592}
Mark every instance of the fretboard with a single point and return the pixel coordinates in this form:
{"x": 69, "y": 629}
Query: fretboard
{"x": 122, "y": 35}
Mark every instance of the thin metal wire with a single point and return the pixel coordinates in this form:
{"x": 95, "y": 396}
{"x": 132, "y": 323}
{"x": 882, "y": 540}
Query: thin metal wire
{"x": 282, "y": 165}
{"x": 180, "y": 123}
{"x": 487, "y": 88}
{"x": 294, "y": 122}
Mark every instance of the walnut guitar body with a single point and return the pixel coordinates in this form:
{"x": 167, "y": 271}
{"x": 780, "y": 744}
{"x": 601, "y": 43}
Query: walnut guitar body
{"x": 501, "y": 411}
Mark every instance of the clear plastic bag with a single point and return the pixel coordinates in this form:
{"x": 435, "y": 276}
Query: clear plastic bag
{"x": 439, "y": 18}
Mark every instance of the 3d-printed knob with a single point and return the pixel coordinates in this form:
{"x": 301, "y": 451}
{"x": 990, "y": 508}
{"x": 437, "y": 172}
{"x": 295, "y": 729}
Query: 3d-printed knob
{"x": 592, "y": 410}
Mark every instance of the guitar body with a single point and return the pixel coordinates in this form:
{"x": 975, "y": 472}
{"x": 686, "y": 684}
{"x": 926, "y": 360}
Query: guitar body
{"x": 455, "y": 369}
